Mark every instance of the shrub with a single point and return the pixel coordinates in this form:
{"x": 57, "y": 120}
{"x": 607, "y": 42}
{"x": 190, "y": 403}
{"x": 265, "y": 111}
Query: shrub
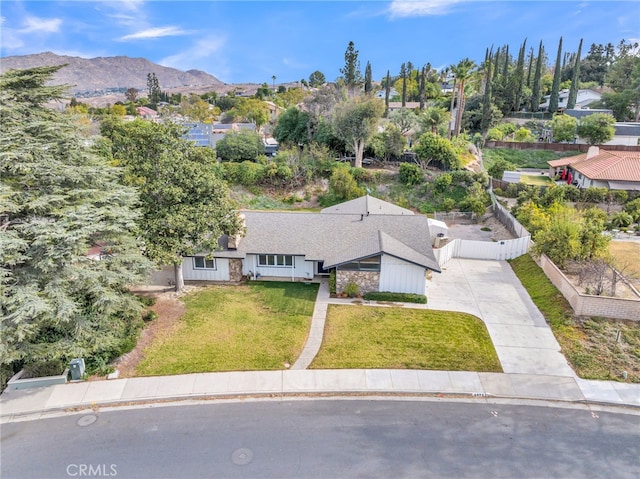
{"x": 351, "y": 289}
{"x": 410, "y": 174}
{"x": 149, "y": 316}
{"x": 332, "y": 282}
{"x": 397, "y": 297}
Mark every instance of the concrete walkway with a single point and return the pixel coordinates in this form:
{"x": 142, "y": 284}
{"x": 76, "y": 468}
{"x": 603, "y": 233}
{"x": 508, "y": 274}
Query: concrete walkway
{"x": 316, "y": 330}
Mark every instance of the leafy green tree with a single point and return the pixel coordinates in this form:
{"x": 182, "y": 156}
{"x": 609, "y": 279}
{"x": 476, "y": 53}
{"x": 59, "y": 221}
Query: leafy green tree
{"x": 633, "y": 208}
{"x": 476, "y": 200}
{"x": 404, "y": 119}
{"x": 596, "y": 128}
{"x": 59, "y": 199}
{"x": 499, "y": 167}
{"x": 593, "y": 244}
{"x": 317, "y": 79}
{"x": 355, "y": 122}
{"x": 184, "y": 201}
{"x": 197, "y": 109}
{"x": 561, "y": 240}
{"x": 342, "y": 184}
{"x": 240, "y": 146}
{"x": 555, "y": 87}
{"x": 252, "y": 110}
{"x": 293, "y": 127}
{"x": 594, "y": 67}
{"x": 564, "y": 127}
{"x": 131, "y": 94}
{"x": 431, "y": 147}
{"x": 388, "y": 144}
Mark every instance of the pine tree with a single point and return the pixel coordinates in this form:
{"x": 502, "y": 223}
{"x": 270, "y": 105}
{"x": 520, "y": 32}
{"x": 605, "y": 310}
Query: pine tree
{"x": 575, "y": 81}
{"x": 153, "y": 90}
{"x": 555, "y": 87}
{"x": 351, "y": 70}
{"x": 59, "y": 200}
{"x": 535, "y": 97}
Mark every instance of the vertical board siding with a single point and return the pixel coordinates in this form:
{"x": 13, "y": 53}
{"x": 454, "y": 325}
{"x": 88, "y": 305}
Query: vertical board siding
{"x": 301, "y": 269}
{"x": 221, "y": 273}
{"x": 398, "y": 276}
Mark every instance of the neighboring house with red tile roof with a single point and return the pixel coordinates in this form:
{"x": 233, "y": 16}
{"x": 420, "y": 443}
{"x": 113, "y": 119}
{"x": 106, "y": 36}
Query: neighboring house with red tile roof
{"x": 615, "y": 170}
{"x": 146, "y": 112}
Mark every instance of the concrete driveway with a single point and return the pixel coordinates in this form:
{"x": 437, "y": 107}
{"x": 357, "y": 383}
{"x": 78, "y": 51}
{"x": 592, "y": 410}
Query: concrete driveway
{"x": 490, "y": 290}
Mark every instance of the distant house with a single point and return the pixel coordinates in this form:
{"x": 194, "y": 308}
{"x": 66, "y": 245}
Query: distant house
{"x": 377, "y": 245}
{"x": 625, "y": 133}
{"x": 583, "y": 99}
{"x": 146, "y": 113}
{"x": 274, "y": 110}
{"x": 615, "y": 170}
{"x": 382, "y": 93}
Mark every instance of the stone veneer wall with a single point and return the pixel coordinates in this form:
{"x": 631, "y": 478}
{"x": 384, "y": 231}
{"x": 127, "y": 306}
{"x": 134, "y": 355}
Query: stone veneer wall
{"x": 235, "y": 269}
{"x": 366, "y": 280}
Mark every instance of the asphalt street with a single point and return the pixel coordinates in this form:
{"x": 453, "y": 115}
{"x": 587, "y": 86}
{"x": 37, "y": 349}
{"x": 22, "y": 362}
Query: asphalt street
{"x": 326, "y": 439}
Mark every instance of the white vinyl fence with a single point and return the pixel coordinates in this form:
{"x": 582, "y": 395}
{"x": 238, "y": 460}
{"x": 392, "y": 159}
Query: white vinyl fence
{"x": 500, "y": 250}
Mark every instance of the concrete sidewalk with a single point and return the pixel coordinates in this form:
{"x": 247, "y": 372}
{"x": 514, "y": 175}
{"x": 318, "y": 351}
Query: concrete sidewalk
{"x": 35, "y": 403}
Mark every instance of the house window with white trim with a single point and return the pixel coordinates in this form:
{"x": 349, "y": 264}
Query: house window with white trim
{"x": 200, "y": 262}
{"x": 276, "y": 260}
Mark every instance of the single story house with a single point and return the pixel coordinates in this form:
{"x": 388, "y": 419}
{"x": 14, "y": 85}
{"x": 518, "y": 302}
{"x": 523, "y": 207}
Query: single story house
{"x": 373, "y": 243}
{"x": 615, "y": 170}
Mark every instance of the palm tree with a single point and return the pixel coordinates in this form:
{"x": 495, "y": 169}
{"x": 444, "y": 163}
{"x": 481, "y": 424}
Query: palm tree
{"x": 462, "y": 72}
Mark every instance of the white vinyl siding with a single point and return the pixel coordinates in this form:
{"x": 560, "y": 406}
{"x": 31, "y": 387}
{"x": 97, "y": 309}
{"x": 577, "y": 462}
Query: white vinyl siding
{"x": 192, "y": 273}
{"x": 400, "y": 276}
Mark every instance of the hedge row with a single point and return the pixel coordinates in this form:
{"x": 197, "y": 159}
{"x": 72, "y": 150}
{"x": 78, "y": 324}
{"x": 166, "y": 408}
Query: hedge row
{"x": 396, "y": 297}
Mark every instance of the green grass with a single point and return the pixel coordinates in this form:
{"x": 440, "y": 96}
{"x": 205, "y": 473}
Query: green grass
{"x": 259, "y": 326}
{"x": 523, "y": 158}
{"x": 536, "y": 180}
{"x": 587, "y": 343}
{"x": 370, "y": 337}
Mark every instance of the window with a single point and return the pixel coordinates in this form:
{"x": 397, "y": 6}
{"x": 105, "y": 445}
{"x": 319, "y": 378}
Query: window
{"x": 281, "y": 260}
{"x": 366, "y": 264}
{"x": 200, "y": 262}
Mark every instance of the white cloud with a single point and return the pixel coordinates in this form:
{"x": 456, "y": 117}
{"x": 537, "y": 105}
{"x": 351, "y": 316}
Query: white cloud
{"x": 155, "y": 32}
{"x": 46, "y": 25}
{"x": 421, "y": 8}
{"x": 205, "y": 55}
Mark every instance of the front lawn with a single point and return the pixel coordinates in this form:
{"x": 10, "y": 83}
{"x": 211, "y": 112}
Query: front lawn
{"x": 589, "y": 344}
{"x": 258, "y": 326}
{"x": 536, "y": 180}
{"x": 370, "y": 337}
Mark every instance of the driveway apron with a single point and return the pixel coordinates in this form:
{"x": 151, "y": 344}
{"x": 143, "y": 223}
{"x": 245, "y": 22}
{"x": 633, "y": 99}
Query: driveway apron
{"x": 491, "y": 290}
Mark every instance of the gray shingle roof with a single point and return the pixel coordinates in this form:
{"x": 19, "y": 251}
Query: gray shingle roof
{"x": 366, "y": 205}
{"x": 336, "y": 238}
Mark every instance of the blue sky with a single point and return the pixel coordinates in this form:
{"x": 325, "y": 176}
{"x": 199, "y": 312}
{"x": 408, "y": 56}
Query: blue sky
{"x": 250, "y": 41}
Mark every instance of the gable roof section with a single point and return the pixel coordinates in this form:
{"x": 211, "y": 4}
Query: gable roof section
{"x": 605, "y": 166}
{"x": 366, "y": 205}
{"x": 336, "y": 238}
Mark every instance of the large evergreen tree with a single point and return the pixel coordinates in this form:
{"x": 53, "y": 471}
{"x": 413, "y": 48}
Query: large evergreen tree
{"x": 555, "y": 87}
{"x": 58, "y": 201}
{"x": 351, "y": 70}
{"x": 367, "y": 78}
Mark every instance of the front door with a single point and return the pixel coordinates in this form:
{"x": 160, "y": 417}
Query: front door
{"x": 320, "y": 271}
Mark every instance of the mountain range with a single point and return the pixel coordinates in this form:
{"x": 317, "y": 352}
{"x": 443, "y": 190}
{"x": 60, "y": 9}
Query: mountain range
{"x": 105, "y": 77}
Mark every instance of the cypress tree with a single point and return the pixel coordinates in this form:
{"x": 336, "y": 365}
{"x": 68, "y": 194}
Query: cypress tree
{"x": 529, "y": 68}
{"x": 575, "y": 81}
{"x": 555, "y": 88}
{"x": 486, "y": 101}
{"x": 535, "y": 97}
{"x": 403, "y": 75}
{"x": 367, "y": 78}
{"x": 423, "y": 78}
{"x": 519, "y": 76}
{"x": 505, "y": 68}
{"x": 387, "y": 91}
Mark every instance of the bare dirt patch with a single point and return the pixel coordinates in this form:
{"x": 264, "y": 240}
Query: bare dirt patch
{"x": 489, "y": 229}
{"x": 169, "y": 309}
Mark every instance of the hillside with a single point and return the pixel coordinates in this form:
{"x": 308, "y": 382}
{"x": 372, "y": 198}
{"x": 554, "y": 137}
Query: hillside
{"x": 102, "y": 76}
